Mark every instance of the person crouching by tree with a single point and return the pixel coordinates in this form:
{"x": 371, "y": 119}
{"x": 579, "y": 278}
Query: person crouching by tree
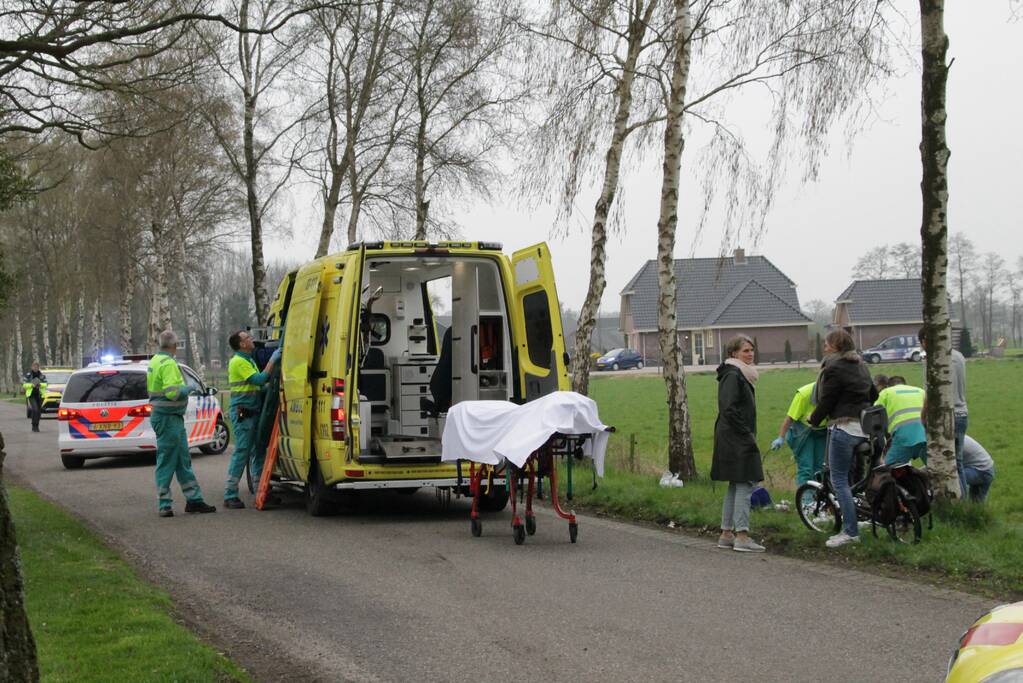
{"x": 168, "y": 395}
{"x": 904, "y": 405}
{"x": 736, "y": 455}
{"x": 844, "y": 390}
{"x": 246, "y": 384}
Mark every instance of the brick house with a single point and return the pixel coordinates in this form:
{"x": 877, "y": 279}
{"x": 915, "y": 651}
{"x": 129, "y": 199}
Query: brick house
{"x": 717, "y": 298}
{"x": 873, "y": 310}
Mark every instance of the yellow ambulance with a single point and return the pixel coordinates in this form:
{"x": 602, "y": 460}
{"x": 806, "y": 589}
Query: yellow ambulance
{"x": 380, "y": 340}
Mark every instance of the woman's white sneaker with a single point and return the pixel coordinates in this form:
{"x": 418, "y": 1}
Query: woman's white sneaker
{"x": 841, "y": 539}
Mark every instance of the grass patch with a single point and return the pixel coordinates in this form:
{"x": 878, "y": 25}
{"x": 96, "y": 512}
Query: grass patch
{"x": 977, "y": 547}
{"x": 92, "y": 617}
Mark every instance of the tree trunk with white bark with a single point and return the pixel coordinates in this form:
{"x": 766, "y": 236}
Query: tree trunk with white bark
{"x": 159, "y": 310}
{"x": 191, "y": 326}
{"x": 80, "y": 330}
{"x": 33, "y": 335}
{"x": 19, "y": 349}
{"x": 47, "y": 350}
{"x": 934, "y": 155}
{"x": 130, "y": 278}
{"x": 598, "y": 239}
{"x": 97, "y": 330}
{"x": 680, "y": 438}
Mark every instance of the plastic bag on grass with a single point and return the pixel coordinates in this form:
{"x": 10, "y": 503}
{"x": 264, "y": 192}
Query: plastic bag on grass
{"x": 670, "y": 480}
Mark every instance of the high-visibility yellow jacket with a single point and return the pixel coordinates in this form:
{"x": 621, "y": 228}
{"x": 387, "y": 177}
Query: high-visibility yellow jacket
{"x": 167, "y": 389}
{"x": 245, "y": 381}
{"x": 28, "y": 386}
{"x": 905, "y": 405}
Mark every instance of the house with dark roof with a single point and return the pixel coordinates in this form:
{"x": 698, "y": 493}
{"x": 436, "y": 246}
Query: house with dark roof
{"x": 715, "y": 299}
{"x": 873, "y": 310}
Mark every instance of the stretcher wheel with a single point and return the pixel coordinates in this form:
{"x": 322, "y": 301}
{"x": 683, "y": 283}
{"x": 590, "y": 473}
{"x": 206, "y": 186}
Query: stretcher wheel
{"x": 530, "y": 525}
{"x": 477, "y": 527}
{"x": 573, "y": 532}
{"x": 519, "y": 534}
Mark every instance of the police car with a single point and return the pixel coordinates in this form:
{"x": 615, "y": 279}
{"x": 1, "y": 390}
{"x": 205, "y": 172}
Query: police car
{"x": 899, "y": 348}
{"x": 105, "y": 412}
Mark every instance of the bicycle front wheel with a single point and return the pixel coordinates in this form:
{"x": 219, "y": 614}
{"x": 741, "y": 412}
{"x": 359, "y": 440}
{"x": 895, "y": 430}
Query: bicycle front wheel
{"x": 818, "y": 510}
{"x": 906, "y": 528}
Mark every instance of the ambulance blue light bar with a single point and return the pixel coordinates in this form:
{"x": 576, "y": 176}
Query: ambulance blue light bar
{"x": 490, "y": 246}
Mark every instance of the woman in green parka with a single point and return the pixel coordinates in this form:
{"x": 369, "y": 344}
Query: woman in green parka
{"x": 736, "y": 455}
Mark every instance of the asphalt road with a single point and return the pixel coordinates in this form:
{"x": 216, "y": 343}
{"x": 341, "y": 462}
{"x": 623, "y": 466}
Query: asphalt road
{"x": 400, "y": 590}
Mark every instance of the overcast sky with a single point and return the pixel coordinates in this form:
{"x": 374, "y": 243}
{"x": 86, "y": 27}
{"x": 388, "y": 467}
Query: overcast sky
{"x": 866, "y": 196}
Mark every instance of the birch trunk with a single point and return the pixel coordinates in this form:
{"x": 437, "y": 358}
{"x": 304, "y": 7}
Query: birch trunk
{"x": 97, "y": 330}
{"x": 422, "y": 205}
{"x": 128, "y": 291}
{"x": 19, "y": 348}
{"x": 191, "y": 326}
{"x": 598, "y": 240}
{"x": 159, "y": 311}
{"x": 18, "y": 661}
{"x": 47, "y": 350}
{"x": 934, "y": 155}
{"x": 33, "y": 335}
{"x": 250, "y": 95}
{"x": 332, "y": 198}
{"x": 680, "y": 437}
{"x": 63, "y": 333}
{"x": 80, "y": 330}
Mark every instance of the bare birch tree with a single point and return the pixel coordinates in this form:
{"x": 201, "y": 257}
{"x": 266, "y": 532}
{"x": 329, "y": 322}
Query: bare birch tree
{"x": 962, "y": 257}
{"x": 934, "y": 156}
{"x": 462, "y": 88}
{"x": 595, "y": 53}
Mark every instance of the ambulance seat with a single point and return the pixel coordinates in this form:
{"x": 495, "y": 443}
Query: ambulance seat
{"x": 375, "y": 385}
{"x": 440, "y": 382}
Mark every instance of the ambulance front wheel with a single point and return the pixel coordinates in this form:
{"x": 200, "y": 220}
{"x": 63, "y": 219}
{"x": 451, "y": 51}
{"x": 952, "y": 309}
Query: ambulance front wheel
{"x": 317, "y": 496}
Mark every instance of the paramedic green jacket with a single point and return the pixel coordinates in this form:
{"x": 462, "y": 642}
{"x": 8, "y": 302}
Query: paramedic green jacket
{"x": 168, "y": 395}
{"x": 246, "y": 382}
{"x": 904, "y": 405}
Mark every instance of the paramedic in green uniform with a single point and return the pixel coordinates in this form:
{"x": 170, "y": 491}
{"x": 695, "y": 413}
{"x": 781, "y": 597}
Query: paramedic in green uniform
{"x": 905, "y": 406}
{"x": 169, "y": 397}
{"x": 246, "y": 384}
{"x": 808, "y": 444}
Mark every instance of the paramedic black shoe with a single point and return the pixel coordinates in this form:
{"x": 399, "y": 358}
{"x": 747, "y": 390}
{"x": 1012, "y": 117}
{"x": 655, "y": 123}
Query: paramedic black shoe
{"x": 234, "y": 504}
{"x": 166, "y": 512}
{"x": 199, "y": 506}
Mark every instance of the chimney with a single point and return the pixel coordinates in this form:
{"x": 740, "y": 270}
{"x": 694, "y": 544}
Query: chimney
{"x": 739, "y": 256}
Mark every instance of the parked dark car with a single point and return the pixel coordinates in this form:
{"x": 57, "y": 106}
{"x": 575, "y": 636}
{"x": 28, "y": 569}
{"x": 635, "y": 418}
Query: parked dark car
{"x": 620, "y": 359}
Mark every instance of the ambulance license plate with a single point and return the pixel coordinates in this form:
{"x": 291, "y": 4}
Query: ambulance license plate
{"x": 105, "y": 426}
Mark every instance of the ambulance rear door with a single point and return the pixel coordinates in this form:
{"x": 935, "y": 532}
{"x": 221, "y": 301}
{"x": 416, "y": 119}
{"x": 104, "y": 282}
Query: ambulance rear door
{"x": 301, "y": 329}
{"x": 539, "y": 341}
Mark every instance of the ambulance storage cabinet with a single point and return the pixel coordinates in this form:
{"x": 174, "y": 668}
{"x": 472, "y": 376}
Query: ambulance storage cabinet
{"x": 413, "y": 383}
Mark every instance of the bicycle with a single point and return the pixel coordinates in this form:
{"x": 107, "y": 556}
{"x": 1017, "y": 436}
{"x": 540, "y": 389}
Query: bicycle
{"x": 818, "y": 507}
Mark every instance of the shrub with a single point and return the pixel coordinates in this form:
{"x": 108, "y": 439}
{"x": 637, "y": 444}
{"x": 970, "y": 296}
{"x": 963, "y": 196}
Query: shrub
{"x": 788, "y": 351}
{"x": 966, "y": 343}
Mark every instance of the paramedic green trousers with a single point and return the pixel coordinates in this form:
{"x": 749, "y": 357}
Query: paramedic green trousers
{"x": 808, "y": 446}
{"x": 244, "y": 451}
{"x": 172, "y": 458}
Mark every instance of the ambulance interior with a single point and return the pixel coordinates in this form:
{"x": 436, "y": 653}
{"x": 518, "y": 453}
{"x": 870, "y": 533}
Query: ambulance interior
{"x": 435, "y": 332}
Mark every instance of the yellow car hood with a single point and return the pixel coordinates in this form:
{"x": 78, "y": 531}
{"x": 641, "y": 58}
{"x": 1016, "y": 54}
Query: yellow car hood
{"x": 994, "y": 643}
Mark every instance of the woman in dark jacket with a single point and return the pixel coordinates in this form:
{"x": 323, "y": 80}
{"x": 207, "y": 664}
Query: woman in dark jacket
{"x": 736, "y": 455}
{"x": 844, "y": 389}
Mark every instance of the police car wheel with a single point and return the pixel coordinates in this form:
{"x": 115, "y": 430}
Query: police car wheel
{"x": 72, "y": 462}
{"x": 915, "y": 357}
{"x": 873, "y": 358}
{"x": 639, "y": 365}
{"x": 221, "y": 438}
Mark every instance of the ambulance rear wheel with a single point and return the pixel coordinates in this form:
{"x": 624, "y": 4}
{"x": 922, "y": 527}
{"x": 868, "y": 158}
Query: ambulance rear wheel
{"x": 72, "y": 462}
{"x": 495, "y": 501}
{"x": 317, "y": 496}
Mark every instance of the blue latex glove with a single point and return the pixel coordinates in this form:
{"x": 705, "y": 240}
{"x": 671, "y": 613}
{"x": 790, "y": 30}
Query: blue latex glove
{"x": 275, "y": 356}
{"x": 777, "y": 443}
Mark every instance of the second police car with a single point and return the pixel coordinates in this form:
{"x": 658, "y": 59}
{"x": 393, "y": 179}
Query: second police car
{"x": 105, "y": 412}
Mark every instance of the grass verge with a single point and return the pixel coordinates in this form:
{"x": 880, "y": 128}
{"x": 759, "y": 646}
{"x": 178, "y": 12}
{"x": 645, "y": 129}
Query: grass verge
{"x": 978, "y": 548}
{"x": 92, "y": 617}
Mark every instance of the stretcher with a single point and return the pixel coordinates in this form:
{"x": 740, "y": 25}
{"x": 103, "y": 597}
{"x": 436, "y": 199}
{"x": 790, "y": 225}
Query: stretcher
{"x": 522, "y": 444}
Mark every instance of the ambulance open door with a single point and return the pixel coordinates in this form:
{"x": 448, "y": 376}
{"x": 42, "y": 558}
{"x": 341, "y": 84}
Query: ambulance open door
{"x": 539, "y": 341}
{"x": 296, "y": 437}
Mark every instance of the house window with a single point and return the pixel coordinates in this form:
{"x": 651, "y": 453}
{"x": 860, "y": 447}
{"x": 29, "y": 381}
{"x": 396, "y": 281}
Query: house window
{"x": 698, "y": 347}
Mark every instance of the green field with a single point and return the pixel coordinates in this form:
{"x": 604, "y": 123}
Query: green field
{"x": 92, "y": 617}
{"x": 979, "y": 548}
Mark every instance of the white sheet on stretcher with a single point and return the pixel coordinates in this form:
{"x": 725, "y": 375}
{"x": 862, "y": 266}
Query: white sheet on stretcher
{"x": 487, "y": 431}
